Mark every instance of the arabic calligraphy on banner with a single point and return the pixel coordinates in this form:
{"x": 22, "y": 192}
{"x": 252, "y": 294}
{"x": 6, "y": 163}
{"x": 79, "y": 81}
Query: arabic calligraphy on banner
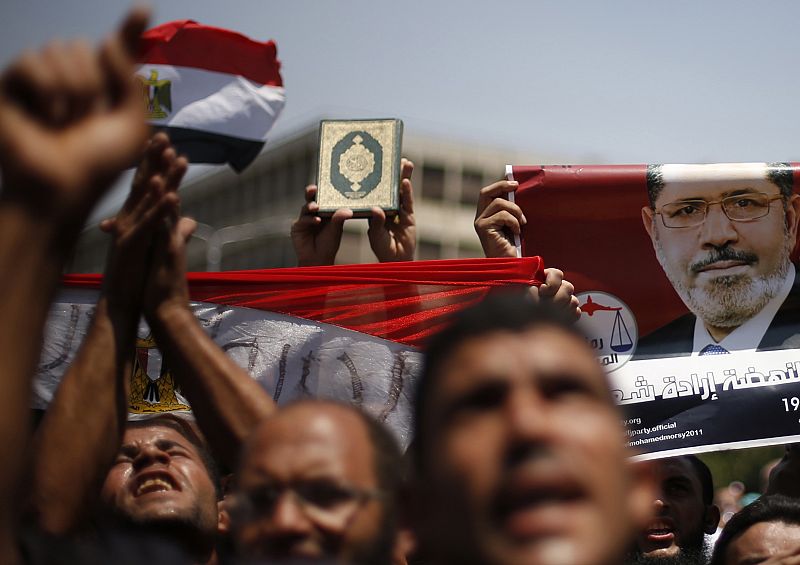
{"x": 708, "y": 403}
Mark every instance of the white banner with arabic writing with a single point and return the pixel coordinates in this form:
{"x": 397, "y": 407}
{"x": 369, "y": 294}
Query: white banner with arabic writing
{"x": 291, "y": 357}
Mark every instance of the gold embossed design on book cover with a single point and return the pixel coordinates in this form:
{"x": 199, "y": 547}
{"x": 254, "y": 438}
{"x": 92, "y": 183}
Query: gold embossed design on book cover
{"x": 354, "y": 162}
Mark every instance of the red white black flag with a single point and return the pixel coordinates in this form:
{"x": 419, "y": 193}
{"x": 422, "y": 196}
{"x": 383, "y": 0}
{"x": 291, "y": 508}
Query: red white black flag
{"x": 215, "y": 92}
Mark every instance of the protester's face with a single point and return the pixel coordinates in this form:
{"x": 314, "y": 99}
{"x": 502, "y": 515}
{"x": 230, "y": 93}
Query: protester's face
{"x": 526, "y": 458}
{"x": 762, "y": 541}
{"x": 158, "y": 478}
{"x": 784, "y": 478}
{"x": 309, "y": 457}
{"x": 725, "y": 271}
{"x": 681, "y": 517}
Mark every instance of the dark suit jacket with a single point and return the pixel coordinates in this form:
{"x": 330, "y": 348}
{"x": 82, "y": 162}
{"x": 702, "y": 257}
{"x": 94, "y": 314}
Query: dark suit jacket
{"x": 677, "y": 337}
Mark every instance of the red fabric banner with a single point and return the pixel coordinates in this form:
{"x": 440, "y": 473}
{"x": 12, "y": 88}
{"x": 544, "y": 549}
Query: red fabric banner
{"x": 403, "y": 302}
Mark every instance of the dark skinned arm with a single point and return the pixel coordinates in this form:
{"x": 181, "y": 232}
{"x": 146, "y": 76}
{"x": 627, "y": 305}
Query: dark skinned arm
{"x": 74, "y": 447}
{"x": 64, "y": 138}
{"x": 226, "y": 401}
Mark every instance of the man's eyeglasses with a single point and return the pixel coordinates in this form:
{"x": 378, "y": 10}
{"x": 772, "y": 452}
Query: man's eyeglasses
{"x": 328, "y": 504}
{"x": 738, "y": 208}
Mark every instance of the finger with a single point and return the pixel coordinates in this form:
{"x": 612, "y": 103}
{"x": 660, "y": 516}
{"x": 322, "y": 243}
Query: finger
{"x": 306, "y": 222}
{"x": 311, "y": 192}
{"x": 564, "y": 294}
{"x": 87, "y": 75}
{"x": 494, "y": 190}
{"x": 378, "y": 219}
{"x": 150, "y": 161}
{"x": 406, "y": 168}
{"x": 498, "y": 221}
{"x": 575, "y": 306}
{"x": 107, "y": 225}
{"x": 185, "y": 228}
{"x": 406, "y": 199}
{"x": 499, "y": 204}
{"x": 29, "y": 84}
{"x": 162, "y": 208}
{"x": 68, "y": 71}
{"x": 148, "y": 198}
{"x": 340, "y": 215}
{"x": 309, "y": 209}
{"x": 117, "y": 55}
{"x": 552, "y": 282}
{"x": 176, "y": 173}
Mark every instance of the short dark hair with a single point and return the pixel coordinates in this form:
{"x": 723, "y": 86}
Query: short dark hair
{"x": 188, "y": 431}
{"x": 389, "y": 462}
{"x": 655, "y": 183}
{"x": 780, "y": 174}
{"x": 768, "y": 508}
{"x": 704, "y": 475}
{"x": 500, "y": 311}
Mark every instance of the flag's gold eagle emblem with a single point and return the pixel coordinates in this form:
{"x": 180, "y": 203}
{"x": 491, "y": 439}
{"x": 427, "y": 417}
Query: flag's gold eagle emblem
{"x": 152, "y": 385}
{"x": 157, "y": 96}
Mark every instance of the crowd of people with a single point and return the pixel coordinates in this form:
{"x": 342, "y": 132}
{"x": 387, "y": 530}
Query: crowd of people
{"x": 519, "y": 453}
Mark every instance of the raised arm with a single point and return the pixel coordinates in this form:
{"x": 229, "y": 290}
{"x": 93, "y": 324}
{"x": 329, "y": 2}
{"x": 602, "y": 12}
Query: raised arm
{"x": 226, "y": 401}
{"x": 496, "y": 217}
{"x": 70, "y": 121}
{"x": 64, "y": 488}
{"x": 395, "y": 239}
{"x": 316, "y": 239}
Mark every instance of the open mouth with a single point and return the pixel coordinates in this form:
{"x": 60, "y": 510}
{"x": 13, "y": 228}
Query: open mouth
{"x": 660, "y": 530}
{"x": 537, "y": 507}
{"x": 154, "y": 482}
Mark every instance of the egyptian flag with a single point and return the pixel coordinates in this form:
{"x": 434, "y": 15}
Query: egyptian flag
{"x": 348, "y": 332}
{"x": 215, "y": 92}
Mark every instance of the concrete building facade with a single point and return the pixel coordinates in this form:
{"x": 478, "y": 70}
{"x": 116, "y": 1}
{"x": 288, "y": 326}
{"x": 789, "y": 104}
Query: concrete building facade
{"x": 244, "y": 219}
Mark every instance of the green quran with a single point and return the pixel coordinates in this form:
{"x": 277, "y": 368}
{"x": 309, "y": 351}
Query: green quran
{"x": 359, "y": 165}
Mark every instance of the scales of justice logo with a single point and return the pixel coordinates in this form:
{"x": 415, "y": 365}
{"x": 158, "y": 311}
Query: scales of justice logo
{"x": 610, "y": 328}
{"x": 356, "y": 164}
{"x": 157, "y": 94}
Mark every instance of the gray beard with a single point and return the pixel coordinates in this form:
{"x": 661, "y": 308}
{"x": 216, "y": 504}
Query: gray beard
{"x": 729, "y": 301}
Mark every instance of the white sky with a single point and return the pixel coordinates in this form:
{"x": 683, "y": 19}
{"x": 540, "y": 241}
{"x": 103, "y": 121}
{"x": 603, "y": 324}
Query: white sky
{"x": 593, "y": 81}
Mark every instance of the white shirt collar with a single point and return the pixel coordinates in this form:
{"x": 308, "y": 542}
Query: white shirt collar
{"x": 748, "y": 335}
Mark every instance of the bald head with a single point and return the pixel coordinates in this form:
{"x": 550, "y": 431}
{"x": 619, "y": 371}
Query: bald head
{"x": 320, "y": 434}
{"x": 313, "y": 479}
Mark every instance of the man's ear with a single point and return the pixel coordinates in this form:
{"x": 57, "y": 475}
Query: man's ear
{"x": 792, "y": 216}
{"x": 405, "y": 542}
{"x": 223, "y": 518}
{"x": 648, "y": 214}
{"x": 711, "y": 519}
{"x": 642, "y": 493}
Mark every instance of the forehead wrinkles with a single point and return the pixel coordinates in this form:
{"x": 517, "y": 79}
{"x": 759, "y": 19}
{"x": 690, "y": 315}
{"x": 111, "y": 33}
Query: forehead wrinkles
{"x": 141, "y": 435}
{"x": 515, "y": 357}
{"x": 310, "y": 440}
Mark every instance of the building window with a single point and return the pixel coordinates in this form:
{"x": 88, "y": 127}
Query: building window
{"x": 433, "y": 182}
{"x": 471, "y": 184}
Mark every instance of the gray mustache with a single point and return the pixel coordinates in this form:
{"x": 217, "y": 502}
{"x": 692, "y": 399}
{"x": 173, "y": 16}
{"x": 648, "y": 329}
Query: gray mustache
{"x": 724, "y": 254}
